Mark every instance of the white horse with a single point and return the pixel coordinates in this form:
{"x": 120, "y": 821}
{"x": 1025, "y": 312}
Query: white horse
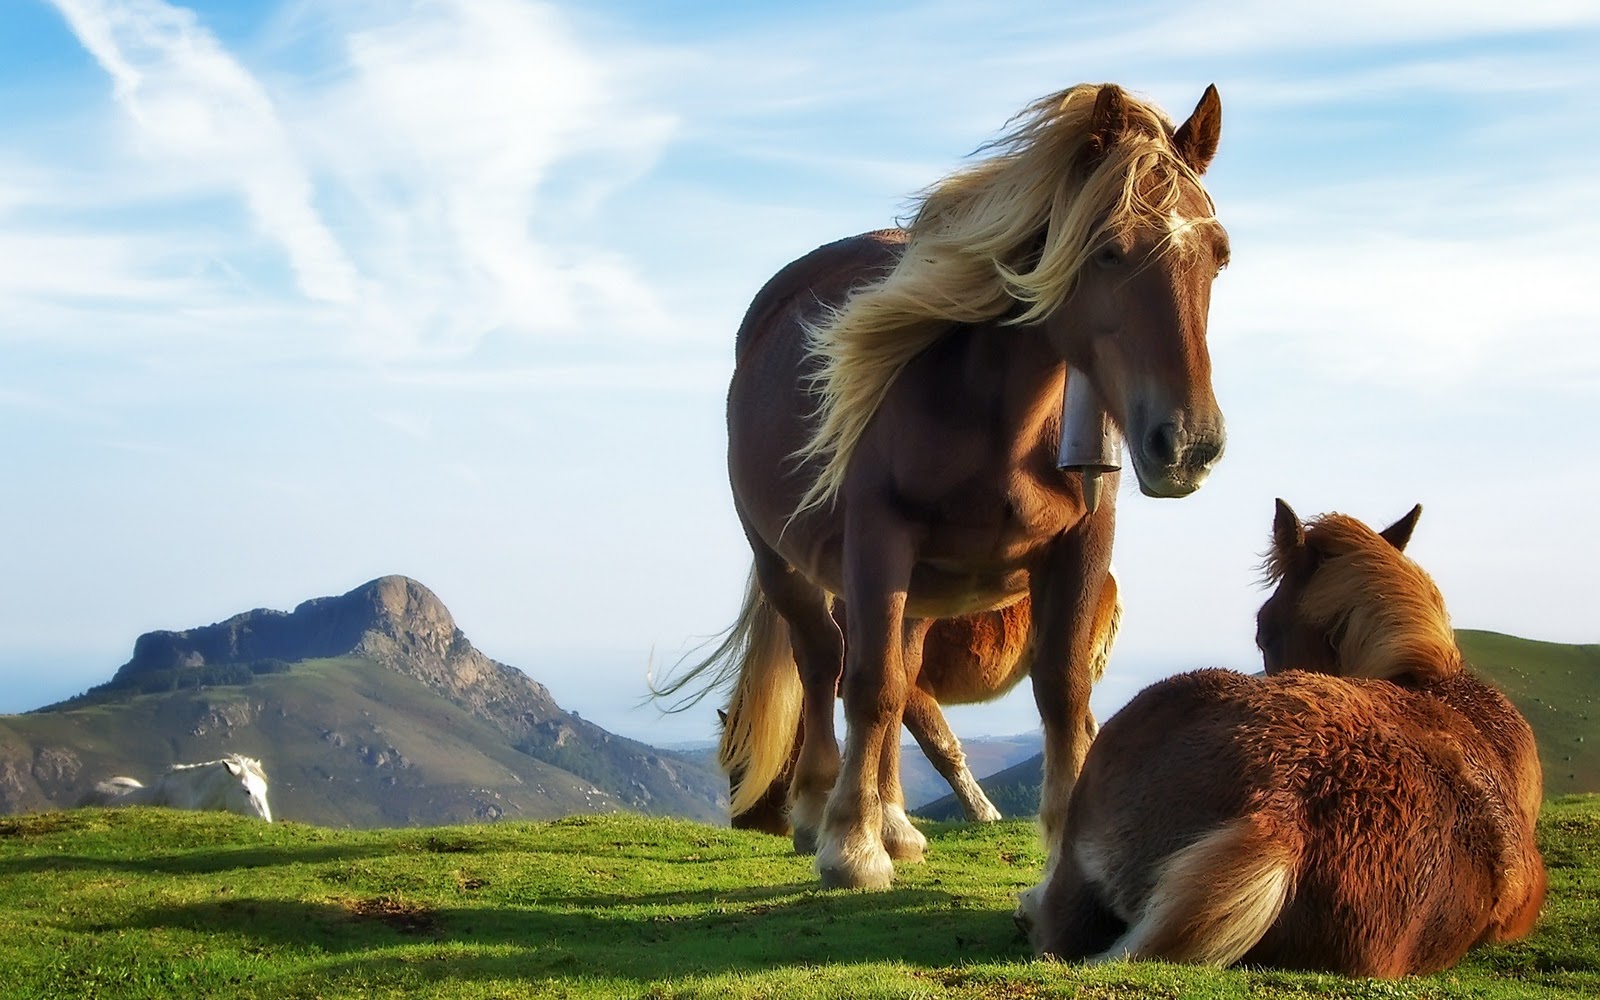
{"x": 234, "y": 784}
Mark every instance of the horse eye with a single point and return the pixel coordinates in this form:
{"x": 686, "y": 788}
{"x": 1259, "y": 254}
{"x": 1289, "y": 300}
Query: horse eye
{"x": 1108, "y": 256}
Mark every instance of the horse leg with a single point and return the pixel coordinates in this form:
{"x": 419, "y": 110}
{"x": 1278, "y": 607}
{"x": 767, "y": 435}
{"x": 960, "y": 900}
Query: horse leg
{"x": 943, "y": 750}
{"x": 878, "y": 562}
{"x": 1067, "y": 601}
{"x": 901, "y": 839}
{"x": 819, "y": 655}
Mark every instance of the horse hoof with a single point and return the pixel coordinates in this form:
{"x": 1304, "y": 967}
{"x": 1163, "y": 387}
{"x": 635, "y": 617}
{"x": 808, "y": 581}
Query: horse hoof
{"x": 986, "y": 814}
{"x": 905, "y": 850}
{"x": 867, "y": 870}
{"x": 905, "y": 845}
{"x": 903, "y": 841}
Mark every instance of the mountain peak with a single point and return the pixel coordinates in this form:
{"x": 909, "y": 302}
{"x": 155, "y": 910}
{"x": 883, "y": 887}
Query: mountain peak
{"x": 397, "y": 602}
{"x": 382, "y": 618}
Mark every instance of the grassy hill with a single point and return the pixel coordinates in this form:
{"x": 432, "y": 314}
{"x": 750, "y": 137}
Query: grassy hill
{"x": 1556, "y": 687}
{"x": 155, "y": 903}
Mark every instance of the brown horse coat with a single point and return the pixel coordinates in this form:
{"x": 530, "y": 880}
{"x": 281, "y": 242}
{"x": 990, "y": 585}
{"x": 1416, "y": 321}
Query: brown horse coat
{"x": 1377, "y": 825}
{"x": 894, "y": 422}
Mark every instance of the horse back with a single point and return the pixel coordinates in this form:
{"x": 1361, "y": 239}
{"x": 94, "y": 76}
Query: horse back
{"x": 822, "y": 277}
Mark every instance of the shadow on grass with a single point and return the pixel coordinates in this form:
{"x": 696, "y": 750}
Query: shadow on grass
{"x": 740, "y": 930}
{"x": 197, "y": 862}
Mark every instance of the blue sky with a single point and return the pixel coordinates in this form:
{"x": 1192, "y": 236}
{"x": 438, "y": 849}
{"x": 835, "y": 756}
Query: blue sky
{"x": 297, "y": 294}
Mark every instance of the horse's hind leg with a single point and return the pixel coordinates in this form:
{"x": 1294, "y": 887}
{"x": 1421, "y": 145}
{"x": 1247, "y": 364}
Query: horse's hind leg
{"x": 819, "y": 654}
{"x": 943, "y": 750}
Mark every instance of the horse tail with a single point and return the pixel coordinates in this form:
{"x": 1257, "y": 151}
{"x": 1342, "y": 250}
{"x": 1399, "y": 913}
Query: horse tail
{"x": 1216, "y": 898}
{"x": 763, "y": 716}
{"x": 112, "y": 791}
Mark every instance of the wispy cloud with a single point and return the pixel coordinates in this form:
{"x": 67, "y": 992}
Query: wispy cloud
{"x": 193, "y": 106}
{"x": 431, "y": 181}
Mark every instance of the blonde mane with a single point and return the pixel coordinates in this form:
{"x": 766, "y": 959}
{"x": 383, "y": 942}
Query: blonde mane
{"x": 1384, "y": 611}
{"x": 1013, "y": 229}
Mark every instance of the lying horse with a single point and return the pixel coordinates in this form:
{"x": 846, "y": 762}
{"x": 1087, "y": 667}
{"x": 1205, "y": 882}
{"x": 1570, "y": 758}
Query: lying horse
{"x": 1366, "y": 808}
{"x": 898, "y": 430}
{"x": 233, "y": 784}
{"x": 966, "y": 660}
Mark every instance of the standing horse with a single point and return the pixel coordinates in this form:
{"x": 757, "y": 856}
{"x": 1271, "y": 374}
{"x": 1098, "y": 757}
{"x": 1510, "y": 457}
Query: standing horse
{"x": 894, "y": 426}
{"x": 966, "y": 660}
{"x": 1366, "y": 808}
{"x": 233, "y": 784}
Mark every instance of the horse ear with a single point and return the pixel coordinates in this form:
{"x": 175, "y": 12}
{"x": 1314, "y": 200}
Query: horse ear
{"x": 1399, "y": 533}
{"x": 1196, "y": 139}
{"x": 722, "y": 717}
{"x": 1288, "y": 533}
{"x": 1108, "y": 120}
{"x": 234, "y": 767}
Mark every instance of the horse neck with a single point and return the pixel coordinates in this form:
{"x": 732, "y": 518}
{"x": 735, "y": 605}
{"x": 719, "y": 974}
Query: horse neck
{"x": 1014, "y": 368}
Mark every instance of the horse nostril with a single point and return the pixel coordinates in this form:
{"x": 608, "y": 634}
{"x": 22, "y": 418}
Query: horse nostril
{"x": 1204, "y": 453}
{"x": 1162, "y": 444}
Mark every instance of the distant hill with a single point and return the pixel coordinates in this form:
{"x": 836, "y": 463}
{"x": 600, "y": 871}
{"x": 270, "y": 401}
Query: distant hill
{"x": 367, "y": 709}
{"x": 985, "y": 755}
{"x": 1556, "y": 687}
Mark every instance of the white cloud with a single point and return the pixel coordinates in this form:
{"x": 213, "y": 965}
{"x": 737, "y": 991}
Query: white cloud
{"x": 194, "y": 105}
{"x": 1416, "y": 310}
{"x": 1267, "y": 28}
{"x": 434, "y": 178}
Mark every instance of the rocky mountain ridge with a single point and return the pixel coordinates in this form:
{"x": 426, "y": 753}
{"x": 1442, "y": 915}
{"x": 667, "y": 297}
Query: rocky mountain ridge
{"x": 375, "y": 693}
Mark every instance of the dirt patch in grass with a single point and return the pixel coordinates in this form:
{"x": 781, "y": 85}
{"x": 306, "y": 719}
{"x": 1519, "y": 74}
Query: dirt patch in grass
{"x": 34, "y": 826}
{"x": 404, "y": 916}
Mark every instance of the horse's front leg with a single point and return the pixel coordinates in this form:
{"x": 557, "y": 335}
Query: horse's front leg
{"x": 1066, "y": 594}
{"x": 852, "y": 853}
{"x": 901, "y": 839}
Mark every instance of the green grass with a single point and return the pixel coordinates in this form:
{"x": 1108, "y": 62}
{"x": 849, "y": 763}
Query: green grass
{"x": 154, "y": 903}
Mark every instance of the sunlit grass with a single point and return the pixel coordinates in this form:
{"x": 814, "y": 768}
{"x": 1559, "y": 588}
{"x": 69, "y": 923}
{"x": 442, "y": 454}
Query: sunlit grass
{"x": 153, "y": 903}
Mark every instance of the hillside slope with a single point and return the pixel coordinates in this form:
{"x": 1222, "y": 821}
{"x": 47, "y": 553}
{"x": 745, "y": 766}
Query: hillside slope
{"x": 1556, "y": 687}
{"x": 370, "y": 708}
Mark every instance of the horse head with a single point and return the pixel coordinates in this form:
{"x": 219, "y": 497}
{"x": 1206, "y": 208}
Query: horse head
{"x": 1349, "y": 602}
{"x": 1139, "y": 249}
{"x": 246, "y": 791}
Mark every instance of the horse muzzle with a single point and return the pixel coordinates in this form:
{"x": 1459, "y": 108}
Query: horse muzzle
{"x": 1171, "y": 460}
